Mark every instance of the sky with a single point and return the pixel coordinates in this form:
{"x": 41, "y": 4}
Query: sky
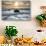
{"x": 15, "y": 0}
{"x": 16, "y": 4}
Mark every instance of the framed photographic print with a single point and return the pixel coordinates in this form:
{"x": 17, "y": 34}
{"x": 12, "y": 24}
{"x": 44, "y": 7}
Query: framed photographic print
{"x": 16, "y": 10}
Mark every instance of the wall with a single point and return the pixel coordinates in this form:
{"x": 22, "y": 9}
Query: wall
{"x": 25, "y": 27}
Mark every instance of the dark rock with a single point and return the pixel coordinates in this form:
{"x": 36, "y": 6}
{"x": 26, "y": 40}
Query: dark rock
{"x": 16, "y": 10}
